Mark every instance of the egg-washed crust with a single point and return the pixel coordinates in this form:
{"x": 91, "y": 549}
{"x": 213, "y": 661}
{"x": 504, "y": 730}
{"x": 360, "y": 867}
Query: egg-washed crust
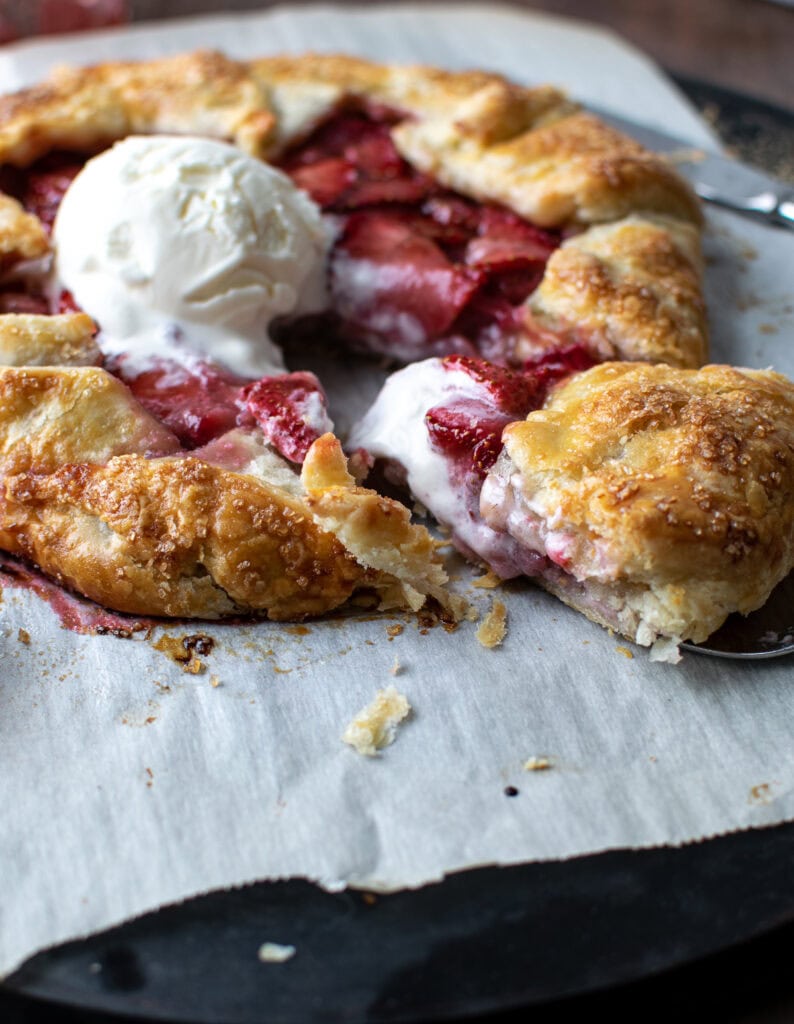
{"x": 531, "y": 149}
{"x": 84, "y": 109}
{"x": 22, "y": 236}
{"x": 677, "y": 481}
{"x": 176, "y": 537}
{"x": 29, "y": 339}
{"x": 629, "y": 290}
{"x": 97, "y": 493}
{"x": 375, "y": 530}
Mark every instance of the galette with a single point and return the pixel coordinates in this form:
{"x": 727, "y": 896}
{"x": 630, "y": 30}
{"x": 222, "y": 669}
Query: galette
{"x": 168, "y": 227}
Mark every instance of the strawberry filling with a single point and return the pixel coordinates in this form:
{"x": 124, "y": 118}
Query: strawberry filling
{"x": 16, "y": 300}
{"x": 392, "y": 284}
{"x": 290, "y": 411}
{"x": 469, "y": 430}
{"x": 199, "y": 401}
{"x": 350, "y": 162}
{"x": 41, "y": 187}
{"x": 416, "y": 269}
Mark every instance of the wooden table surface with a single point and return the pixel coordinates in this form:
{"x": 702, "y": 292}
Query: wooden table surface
{"x": 747, "y": 45}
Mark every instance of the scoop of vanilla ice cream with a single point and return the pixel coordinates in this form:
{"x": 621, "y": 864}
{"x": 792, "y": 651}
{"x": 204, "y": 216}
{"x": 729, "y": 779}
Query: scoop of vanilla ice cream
{"x": 165, "y": 236}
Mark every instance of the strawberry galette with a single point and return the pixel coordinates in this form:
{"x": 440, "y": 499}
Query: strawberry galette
{"x": 203, "y": 212}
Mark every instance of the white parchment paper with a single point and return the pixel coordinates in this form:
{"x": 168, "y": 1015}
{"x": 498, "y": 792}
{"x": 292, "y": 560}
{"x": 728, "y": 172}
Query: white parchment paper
{"x": 127, "y": 784}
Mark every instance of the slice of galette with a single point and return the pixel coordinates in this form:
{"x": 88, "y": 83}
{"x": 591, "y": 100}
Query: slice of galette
{"x": 104, "y": 497}
{"x": 653, "y": 499}
{"x": 661, "y": 500}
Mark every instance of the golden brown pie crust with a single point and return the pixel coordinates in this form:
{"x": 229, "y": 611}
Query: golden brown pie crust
{"x": 97, "y": 493}
{"x": 680, "y": 482}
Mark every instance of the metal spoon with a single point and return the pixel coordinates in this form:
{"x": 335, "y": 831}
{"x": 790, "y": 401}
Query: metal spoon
{"x": 766, "y": 633}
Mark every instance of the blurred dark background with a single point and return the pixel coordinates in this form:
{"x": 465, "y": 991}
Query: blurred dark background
{"x": 746, "y": 45}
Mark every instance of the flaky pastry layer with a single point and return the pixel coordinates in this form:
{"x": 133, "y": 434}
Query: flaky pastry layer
{"x": 674, "y": 485}
{"x": 99, "y": 494}
{"x": 29, "y": 339}
{"x": 22, "y": 236}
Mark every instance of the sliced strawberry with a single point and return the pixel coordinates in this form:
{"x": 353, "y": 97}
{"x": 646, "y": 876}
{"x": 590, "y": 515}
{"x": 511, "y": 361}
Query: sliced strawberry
{"x": 468, "y": 431}
{"x": 551, "y": 367}
{"x": 290, "y": 409}
{"x": 200, "y": 400}
{"x": 405, "y": 191}
{"x": 197, "y": 403}
{"x": 46, "y": 183}
{"x": 375, "y": 155}
{"x": 352, "y": 162}
{"x": 510, "y": 391}
{"x": 67, "y": 303}
{"x": 390, "y": 281}
{"x": 325, "y": 181}
{"x": 504, "y": 238}
{"x": 333, "y": 138}
{"x": 453, "y": 211}
{"x": 512, "y": 251}
{"x": 12, "y": 301}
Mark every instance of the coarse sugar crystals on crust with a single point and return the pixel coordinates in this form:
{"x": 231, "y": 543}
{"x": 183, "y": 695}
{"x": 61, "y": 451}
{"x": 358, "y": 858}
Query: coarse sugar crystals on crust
{"x": 28, "y": 339}
{"x": 632, "y": 287}
{"x": 83, "y": 109}
{"x": 663, "y": 498}
{"x": 99, "y": 495}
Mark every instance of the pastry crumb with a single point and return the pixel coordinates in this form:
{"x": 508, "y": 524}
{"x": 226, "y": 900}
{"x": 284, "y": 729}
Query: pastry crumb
{"x": 215, "y": 682}
{"x": 462, "y": 609}
{"x": 374, "y": 727}
{"x": 537, "y": 764}
{"x": 275, "y": 953}
{"x": 666, "y": 649}
{"x": 23, "y": 636}
{"x": 767, "y": 329}
{"x": 625, "y": 652}
{"x": 185, "y": 650}
{"x": 396, "y": 668}
{"x": 761, "y": 794}
{"x": 494, "y": 626}
{"x": 488, "y": 581}
{"x": 394, "y": 630}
